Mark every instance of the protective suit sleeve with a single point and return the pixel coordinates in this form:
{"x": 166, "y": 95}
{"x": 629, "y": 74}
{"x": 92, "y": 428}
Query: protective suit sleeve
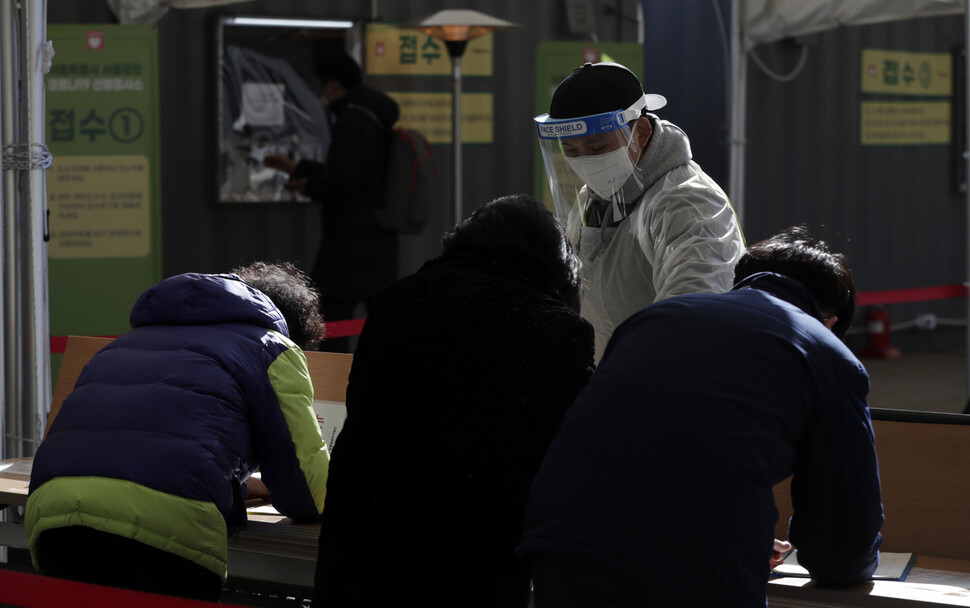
{"x": 691, "y": 236}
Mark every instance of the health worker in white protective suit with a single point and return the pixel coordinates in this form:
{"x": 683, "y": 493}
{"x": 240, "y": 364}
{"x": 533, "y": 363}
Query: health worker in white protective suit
{"x": 647, "y": 222}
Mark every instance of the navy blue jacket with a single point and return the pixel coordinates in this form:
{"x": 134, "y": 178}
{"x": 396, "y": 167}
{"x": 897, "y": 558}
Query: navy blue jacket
{"x": 663, "y": 468}
{"x": 167, "y": 422}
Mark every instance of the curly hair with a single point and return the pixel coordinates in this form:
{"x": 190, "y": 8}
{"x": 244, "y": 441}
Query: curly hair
{"x": 293, "y": 293}
{"x": 794, "y": 253}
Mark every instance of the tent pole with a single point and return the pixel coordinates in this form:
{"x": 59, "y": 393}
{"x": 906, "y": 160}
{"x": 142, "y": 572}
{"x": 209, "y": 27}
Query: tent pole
{"x": 966, "y": 159}
{"x": 738, "y": 109}
{"x": 32, "y": 231}
{"x": 9, "y": 74}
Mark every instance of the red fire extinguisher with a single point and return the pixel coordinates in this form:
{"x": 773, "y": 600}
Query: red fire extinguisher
{"x": 877, "y": 336}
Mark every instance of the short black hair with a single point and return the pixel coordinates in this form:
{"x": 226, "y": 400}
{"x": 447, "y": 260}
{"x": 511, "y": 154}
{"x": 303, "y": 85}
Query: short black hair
{"x": 340, "y": 67}
{"x": 519, "y": 226}
{"x": 293, "y": 293}
{"x": 794, "y": 253}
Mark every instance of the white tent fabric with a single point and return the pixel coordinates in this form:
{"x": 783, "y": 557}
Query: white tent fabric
{"x": 771, "y": 20}
{"x": 130, "y": 12}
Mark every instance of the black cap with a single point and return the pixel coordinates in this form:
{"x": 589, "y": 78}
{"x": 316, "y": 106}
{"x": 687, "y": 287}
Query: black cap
{"x": 596, "y": 88}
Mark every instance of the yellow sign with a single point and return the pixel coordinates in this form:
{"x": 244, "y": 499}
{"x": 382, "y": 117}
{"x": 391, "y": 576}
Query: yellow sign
{"x": 396, "y": 51}
{"x": 99, "y": 206}
{"x": 905, "y": 122}
{"x": 431, "y": 114}
{"x": 902, "y": 73}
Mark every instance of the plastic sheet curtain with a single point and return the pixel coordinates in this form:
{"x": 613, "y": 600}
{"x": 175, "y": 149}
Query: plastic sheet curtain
{"x": 25, "y": 56}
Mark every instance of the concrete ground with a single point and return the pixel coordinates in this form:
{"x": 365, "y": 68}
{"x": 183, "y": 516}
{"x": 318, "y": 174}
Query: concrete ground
{"x": 932, "y": 382}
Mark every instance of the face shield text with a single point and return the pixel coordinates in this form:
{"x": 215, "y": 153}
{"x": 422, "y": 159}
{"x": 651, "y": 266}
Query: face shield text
{"x": 568, "y": 129}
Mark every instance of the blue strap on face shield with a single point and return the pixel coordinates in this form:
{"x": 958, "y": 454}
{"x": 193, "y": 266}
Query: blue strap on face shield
{"x": 557, "y": 128}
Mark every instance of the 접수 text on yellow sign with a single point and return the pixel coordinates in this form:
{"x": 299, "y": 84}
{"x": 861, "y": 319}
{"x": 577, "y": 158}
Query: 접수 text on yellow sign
{"x": 396, "y": 51}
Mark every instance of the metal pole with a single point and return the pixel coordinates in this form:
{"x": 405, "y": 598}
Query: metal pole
{"x": 33, "y": 233}
{"x": 738, "y": 106}
{"x": 6, "y": 43}
{"x": 456, "y": 132}
{"x": 11, "y": 99}
{"x": 6, "y": 100}
{"x": 966, "y": 157}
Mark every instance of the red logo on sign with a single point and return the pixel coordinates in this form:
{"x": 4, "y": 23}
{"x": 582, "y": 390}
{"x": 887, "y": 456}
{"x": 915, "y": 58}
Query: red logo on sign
{"x": 94, "y": 40}
{"x": 379, "y": 49}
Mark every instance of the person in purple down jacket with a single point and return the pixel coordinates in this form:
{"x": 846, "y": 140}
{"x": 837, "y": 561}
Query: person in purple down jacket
{"x": 143, "y": 473}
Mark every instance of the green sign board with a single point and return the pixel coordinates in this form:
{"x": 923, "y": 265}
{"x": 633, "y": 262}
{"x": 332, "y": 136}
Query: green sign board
{"x": 555, "y": 61}
{"x": 103, "y": 188}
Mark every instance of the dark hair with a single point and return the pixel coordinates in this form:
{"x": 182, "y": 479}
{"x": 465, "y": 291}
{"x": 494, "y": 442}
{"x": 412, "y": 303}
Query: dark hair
{"x": 520, "y": 227}
{"x": 794, "y": 253}
{"x": 293, "y": 293}
{"x": 340, "y": 67}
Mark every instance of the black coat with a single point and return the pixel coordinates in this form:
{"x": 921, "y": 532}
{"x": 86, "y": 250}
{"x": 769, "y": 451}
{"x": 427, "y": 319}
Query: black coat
{"x": 357, "y": 258}
{"x": 462, "y": 375}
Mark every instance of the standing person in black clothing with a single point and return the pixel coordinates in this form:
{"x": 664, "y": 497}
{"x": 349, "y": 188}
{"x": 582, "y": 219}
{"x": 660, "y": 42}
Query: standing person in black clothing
{"x": 357, "y": 258}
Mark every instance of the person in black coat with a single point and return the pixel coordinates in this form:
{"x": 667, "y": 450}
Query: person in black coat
{"x": 460, "y": 379}
{"x": 357, "y": 258}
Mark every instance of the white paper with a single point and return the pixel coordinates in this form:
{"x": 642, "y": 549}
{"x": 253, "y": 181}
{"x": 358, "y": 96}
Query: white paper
{"x": 263, "y": 104}
{"x": 892, "y": 566}
{"x": 331, "y": 416}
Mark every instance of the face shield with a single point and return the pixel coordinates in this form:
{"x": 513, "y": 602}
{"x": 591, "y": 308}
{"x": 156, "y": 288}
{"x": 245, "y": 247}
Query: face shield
{"x": 592, "y": 158}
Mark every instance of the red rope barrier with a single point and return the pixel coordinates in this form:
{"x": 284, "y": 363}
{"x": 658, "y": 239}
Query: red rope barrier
{"x": 353, "y": 327}
{"x": 59, "y": 343}
{"x": 920, "y": 294}
{"x": 342, "y": 329}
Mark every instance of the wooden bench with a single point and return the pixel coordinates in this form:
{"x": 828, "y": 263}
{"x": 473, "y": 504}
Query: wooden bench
{"x": 328, "y": 372}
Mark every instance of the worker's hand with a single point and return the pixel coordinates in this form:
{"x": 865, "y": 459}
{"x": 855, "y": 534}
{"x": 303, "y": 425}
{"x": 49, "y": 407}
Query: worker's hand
{"x": 256, "y": 489}
{"x": 778, "y": 553}
{"x": 280, "y": 162}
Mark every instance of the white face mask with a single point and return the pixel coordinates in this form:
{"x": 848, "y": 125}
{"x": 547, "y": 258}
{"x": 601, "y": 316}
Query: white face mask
{"x": 604, "y": 174}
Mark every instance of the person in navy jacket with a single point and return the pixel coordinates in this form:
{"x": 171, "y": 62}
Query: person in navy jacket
{"x": 657, "y": 489}
{"x": 143, "y": 473}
